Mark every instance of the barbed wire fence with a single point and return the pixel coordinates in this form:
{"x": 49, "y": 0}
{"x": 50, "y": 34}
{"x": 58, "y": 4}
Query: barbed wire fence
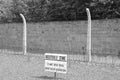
{"x": 70, "y": 45}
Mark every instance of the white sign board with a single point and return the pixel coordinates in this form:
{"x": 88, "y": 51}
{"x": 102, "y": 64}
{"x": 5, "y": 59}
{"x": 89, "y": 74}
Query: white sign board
{"x": 56, "y": 62}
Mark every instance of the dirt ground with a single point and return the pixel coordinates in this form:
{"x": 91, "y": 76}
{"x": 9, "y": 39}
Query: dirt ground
{"x": 21, "y": 67}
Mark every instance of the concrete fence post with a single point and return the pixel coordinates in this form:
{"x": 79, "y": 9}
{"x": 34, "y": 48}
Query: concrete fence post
{"x": 89, "y": 34}
{"x": 24, "y": 35}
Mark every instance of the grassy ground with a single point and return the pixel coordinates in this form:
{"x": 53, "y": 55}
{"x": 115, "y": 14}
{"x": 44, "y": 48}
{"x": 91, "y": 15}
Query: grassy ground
{"x": 18, "y": 67}
{"x": 63, "y": 37}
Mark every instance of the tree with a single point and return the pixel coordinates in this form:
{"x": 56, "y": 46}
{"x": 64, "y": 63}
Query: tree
{"x": 37, "y": 10}
{"x": 5, "y": 13}
{"x": 17, "y": 7}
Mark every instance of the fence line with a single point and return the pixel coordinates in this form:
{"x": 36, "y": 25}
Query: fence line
{"x": 97, "y": 59}
{"x": 80, "y": 58}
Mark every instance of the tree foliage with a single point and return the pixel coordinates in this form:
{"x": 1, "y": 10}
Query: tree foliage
{"x": 5, "y": 13}
{"x": 17, "y": 7}
{"x": 50, "y": 10}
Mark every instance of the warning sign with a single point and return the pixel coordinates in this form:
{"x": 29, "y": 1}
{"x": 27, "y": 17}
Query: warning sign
{"x": 56, "y": 62}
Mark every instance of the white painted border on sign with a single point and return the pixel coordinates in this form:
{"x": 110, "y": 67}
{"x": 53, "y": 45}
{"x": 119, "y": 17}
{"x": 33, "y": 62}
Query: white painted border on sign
{"x": 56, "y": 65}
{"x": 24, "y": 35}
{"x": 55, "y": 54}
{"x": 89, "y": 34}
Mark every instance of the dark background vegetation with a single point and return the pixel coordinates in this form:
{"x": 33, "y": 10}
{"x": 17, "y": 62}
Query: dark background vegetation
{"x": 57, "y": 10}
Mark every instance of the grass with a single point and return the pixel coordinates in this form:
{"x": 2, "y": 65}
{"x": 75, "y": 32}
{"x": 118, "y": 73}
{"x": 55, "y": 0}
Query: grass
{"x": 63, "y": 37}
{"x": 17, "y": 67}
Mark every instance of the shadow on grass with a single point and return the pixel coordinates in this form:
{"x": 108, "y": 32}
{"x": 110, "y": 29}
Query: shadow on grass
{"x": 47, "y": 78}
